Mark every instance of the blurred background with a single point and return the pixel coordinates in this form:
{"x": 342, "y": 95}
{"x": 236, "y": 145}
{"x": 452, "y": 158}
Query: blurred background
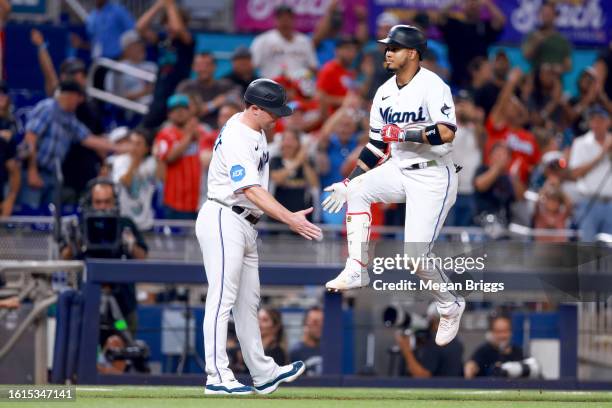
{"x": 109, "y": 111}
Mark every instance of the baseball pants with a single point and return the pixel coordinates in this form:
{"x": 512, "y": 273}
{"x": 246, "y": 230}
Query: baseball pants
{"x": 229, "y": 250}
{"x": 429, "y": 194}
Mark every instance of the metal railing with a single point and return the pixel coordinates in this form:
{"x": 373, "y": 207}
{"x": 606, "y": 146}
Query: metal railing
{"x": 111, "y": 98}
{"x": 595, "y": 333}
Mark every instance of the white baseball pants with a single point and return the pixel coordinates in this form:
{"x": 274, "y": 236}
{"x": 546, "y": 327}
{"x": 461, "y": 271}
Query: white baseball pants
{"x": 229, "y": 249}
{"x": 429, "y": 194}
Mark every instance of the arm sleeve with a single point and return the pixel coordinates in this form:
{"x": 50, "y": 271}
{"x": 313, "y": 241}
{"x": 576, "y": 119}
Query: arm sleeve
{"x": 440, "y": 105}
{"x": 242, "y": 165}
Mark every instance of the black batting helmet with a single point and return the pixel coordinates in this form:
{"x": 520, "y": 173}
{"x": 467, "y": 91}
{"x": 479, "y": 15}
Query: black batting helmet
{"x": 406, "y": 36}
{"x": 269, "y": 96}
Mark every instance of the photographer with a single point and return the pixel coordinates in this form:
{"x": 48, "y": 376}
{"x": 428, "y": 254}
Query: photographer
{"x": 489, "y": 358}
{"x": 424, "y": 358}
{"x": 102, "y": 233}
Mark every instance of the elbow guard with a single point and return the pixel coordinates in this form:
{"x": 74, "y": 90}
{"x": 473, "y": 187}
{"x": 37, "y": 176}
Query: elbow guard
{"x": 372, "y": 153}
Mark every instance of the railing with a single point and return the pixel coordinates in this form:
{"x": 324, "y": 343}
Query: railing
{"x": 111, "y": 98}
{"x": 595, "y": 333}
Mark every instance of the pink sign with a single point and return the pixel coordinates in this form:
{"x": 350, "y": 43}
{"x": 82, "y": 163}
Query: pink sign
{"x": 258, "y": 15}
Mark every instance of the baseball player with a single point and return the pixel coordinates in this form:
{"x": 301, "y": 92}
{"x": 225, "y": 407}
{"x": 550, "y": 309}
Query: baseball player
{"x": 413, "y": 114}
{"x": 237, "y": 197}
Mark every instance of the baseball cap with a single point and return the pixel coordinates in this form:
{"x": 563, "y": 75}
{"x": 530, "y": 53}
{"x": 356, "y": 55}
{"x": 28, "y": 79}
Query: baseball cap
{"x": 71, "y": 86}
{"x": 598, "y": 110}
{"x": 178, "y": 101}
{"x": 387, "y": 19}
{"x": 241, "y": 52}
{"x": 72, "y": 66}
{"x": 128, "y": 38}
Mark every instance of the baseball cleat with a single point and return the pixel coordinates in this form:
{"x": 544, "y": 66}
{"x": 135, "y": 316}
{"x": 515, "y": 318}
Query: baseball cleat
{"x": 288, "y": 374}
{"x": 449, "y": 324}
{"x": 348, "y": 279}
{"x": 228, "y": 388}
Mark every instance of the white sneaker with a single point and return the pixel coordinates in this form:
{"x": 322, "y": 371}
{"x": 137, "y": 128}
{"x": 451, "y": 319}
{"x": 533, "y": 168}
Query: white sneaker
{"x": 228, "y": 388}
{"x": 288, "y": 373}
{"x": 449, "y": 324}
{"x": 349, "y": 278}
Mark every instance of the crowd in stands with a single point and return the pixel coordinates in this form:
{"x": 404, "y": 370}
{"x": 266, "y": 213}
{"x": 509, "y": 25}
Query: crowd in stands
{"x": 518, "y": 132}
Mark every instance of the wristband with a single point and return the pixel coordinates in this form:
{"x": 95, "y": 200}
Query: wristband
{"x": 42, "y": 46}
{"x": 432, "y": 134}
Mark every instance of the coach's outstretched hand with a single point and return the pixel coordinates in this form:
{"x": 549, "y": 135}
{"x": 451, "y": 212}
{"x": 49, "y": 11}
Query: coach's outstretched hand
{"x": 298, "y": 223}
{"x": 337, "y": 197}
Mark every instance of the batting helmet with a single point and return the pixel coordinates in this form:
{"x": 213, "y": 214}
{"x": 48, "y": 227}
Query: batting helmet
{"x": 406, "y": 36}
{"x": 269, "y": 96}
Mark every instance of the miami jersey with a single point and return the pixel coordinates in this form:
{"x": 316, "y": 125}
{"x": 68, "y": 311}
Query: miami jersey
{"x": 424, "y": 101}
{"x": 240, "y": 159}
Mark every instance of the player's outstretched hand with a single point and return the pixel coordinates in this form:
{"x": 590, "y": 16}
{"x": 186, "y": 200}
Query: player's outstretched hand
{"x": 337, "y": 197}
{"x": 298, "y": 223}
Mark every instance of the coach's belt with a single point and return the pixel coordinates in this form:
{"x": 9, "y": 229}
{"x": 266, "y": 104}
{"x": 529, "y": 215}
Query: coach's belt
{"x": 241, "y": 211}
{"x": 422, "y": 165}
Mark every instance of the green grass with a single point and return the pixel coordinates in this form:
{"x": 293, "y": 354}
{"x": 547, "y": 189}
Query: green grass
{"x": 186, "y": 397}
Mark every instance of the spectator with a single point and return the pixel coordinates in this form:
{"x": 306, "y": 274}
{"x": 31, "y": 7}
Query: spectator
{"x": 309, "y": 349}
{"x": 272, "y": 335}
{"x": 105, "y": 25}
{"x": 603, "y": 67}
{"x": 176, "y": 147}
{"x": 480, "y": 73}
{"x": 81, "y": 164}
{"x": 128, "y": 86}
{"x": 329, "y": 29}
{"x": 495, "y": 351}
{"x": 590, "y": 93}
{"x": 5, "y": 11}
{"x": 506, "y": 123}
{"x": 293, "y": 176}
{"x": 372, "y": 66}
{"x": 547, "y": 104}
{"x": 552, "y": 169}
{"x": 207, "y": 142}
{"x": 467, "y": 152}
{"x": 472, "y": 30}
{"x": 336, "y": 77}
{"x": 11, "y": 302}
{"x": 338, "y": 138}
{"x": 207, "y": 93}
{"x": 552, "y": 212}
{"x": 546, "y": 44}
{"x": 495, "y": 187}
{"x": 428, "y": 359}
{"x": 50, "y": 129}
{"x": 590, "y": 165}
{"x": 102, "y": 198}
{"x": 175, "y": 54}
{"x": 242, "y": 73}
{"x": 486, "y": 95}
{"x": 135, "y": 173}
{"x": 9, "y": 164}
{"x": 283, "y": 51}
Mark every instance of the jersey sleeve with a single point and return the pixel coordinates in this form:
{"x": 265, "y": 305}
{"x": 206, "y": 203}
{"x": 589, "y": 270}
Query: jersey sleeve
{"x": 242, "y": 165}
{"x": 440, "y": 105}
{"x": 376, "y": 119}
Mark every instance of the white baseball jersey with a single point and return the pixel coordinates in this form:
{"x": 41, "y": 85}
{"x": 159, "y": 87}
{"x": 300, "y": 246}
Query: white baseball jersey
{"x": 240, "y": 159}
{"x": 425, "y": 100}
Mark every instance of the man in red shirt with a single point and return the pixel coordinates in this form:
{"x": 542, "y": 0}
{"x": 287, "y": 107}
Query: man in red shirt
{"x": 506, "y": 123}
{"x": 337, "y": 77}
{"x": 177, "y": 148}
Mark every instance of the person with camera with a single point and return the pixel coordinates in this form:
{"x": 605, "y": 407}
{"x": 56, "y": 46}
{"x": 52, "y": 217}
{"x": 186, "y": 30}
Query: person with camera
{"x": 103, "y": 233}
{"x": 423, "y": 358}
{"x": 490, "y": 357}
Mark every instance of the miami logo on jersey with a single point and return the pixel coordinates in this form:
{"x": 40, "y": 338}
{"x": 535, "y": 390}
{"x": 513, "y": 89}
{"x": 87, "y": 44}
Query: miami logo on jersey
{"x": 389, "y": 116}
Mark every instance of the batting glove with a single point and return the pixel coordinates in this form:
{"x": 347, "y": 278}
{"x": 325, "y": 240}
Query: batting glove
{"x": 338, "y": 196}
{"x": 392, "y": 133}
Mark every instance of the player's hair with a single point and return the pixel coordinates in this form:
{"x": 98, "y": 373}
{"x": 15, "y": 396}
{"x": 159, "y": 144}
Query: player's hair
{"x": 146, "y": 134}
